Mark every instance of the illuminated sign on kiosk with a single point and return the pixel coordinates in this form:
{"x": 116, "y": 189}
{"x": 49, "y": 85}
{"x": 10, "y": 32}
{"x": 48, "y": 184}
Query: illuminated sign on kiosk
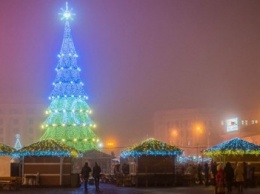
{"x": 232, "y": 124}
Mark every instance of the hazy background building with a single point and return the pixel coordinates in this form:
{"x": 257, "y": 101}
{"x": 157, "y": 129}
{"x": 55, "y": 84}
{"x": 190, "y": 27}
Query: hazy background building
{"x": 23, "y": 119}
{"x": 196, "y": 129}
{"x": 190, "y": 129}
{"x": 243, "y": 124}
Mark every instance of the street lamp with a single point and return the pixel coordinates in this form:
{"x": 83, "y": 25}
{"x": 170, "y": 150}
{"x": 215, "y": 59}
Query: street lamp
{"x": 199, "y": 130}
{"x": 110, "y": 144}
{"x": 174, "y": 135}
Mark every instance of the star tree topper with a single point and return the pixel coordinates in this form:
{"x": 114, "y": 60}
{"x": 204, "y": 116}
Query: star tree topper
{"x": 67, "y": 14}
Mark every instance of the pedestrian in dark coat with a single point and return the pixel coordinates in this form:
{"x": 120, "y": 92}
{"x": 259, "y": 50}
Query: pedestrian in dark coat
{"x": 85, "y": 174}
{"x": 229, "y": 176}
{"x": 206, "y": 173}
{"x": 199, "y": 173}
{"x": 214, "y": 171}
{"x": 96, "y": 175}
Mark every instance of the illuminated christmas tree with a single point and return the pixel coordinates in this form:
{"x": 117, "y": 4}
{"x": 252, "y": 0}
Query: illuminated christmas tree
{"x": 68, "y": 118}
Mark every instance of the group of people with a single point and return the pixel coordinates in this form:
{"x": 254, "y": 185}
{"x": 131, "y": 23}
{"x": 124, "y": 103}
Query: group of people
{"x": 85, "y": 172}
{"x": 242, "y": 175}
{"x": 124, "y": 170}
{"x": 239, "y": 175}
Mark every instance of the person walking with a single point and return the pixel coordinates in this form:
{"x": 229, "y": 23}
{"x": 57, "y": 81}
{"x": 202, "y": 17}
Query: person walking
{"x": 250, "y": 174}
{"x": 199, "y": 173}
{"x": 229, "y": 176}
{"x": 96, "y": 175}
{"x": 206, "y": 173}
{"x": 85, "y": 174}
{"x": 220, "y": 178}
{"x": 245, "y": 174}
{"x": 213, "y": 168}
{"x": 239, "y": 177}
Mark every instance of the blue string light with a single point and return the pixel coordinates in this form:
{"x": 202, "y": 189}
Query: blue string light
{"x": 235, "y": 146}
{"x": 48, "y": 147}
{"x": 151, "y": 147}
{"x": 68, "y": 114}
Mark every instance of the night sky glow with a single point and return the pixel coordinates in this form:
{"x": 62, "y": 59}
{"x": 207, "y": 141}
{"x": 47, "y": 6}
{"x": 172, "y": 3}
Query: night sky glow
{"x": 137, "y": 57}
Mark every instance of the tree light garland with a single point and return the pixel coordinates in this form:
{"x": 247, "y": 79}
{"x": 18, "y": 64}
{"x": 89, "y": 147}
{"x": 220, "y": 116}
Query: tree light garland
{"x": 68, "y": 118}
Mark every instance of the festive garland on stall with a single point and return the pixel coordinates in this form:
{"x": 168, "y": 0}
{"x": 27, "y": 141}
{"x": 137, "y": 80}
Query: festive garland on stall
{"x": 235, "y": 146}
{"x": 47, "y": 147}
{"x": 5, "y": 150}
{"x": 151, "y": 147}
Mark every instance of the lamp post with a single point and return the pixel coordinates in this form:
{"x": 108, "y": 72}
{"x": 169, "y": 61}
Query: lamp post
{"x": 198, "y": 132}
{"x": 197, "y": 152}
{"x": 208, "y": 138}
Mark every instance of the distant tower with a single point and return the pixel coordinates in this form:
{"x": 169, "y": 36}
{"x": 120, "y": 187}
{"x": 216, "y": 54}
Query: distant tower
{"x": 18, "y": 144}
{"x": 68, "y": 118}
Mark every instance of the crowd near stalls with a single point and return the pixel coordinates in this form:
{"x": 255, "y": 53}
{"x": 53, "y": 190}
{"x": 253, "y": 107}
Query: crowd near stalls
{"x": 150, "y": 163}
{"x": 229, "y": 156}
{"x": 237, "y": 152}
{"x": 191, "y": 174}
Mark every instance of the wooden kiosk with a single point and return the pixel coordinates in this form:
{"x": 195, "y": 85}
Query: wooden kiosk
{"x": 47, "y": 163}
{"x": 151, "y": 163}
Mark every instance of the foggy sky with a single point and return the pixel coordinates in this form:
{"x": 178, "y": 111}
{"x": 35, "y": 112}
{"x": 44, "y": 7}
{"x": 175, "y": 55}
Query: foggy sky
{"x": 137, "y": 57}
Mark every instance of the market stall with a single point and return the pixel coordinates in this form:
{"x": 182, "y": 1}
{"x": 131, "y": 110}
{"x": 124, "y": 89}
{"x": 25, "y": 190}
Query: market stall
{"x": 151, "y": 163}
{"x": 46, "y": 163}
{"x": 236, "y": 150}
